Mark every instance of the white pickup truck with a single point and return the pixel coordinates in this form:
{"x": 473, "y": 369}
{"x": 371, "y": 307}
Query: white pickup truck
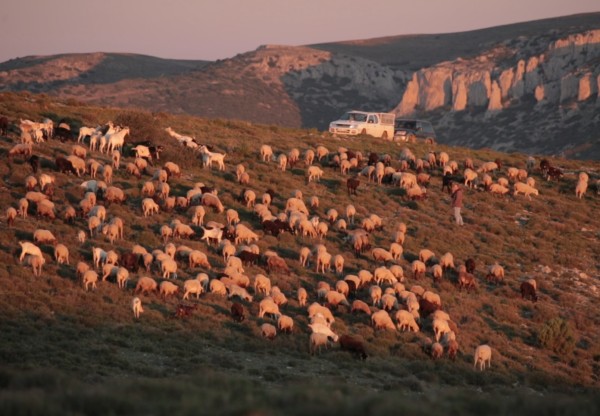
{"x": 353, "y": 123}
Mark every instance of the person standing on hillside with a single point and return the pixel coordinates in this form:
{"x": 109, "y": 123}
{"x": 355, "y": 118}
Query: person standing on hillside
{"x": 457, "y": 202}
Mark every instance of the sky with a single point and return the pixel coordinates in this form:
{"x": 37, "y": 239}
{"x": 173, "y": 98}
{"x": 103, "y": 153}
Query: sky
{"x": 217, "y": 29}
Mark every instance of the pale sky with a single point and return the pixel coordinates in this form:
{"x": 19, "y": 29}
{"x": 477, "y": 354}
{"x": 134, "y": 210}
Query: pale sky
{"x": 217, "y": 29}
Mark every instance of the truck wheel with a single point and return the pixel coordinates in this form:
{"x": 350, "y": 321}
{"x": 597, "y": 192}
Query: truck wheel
{"x": 363, "y": 131}
{"x": 384, "y": 136}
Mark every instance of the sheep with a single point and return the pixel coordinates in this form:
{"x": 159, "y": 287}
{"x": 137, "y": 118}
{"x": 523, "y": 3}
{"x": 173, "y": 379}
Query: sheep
{"x": 335, "y": 298}
{"x": 528, "y": 290}
{"x": 11, "y": 214}
{"x": 302, "y": 296}
{"x": 61, "y": 254}
{"x": 381, "y": 320}
{"x": 470, "y": 177}
{"x": 242, "y": 293}
{"x": 266, "y": 152}
{"x": 198, "y": 258}
{"x": 136, "y": 305}
{"x": 406, "y": 321}
{"x": 145, "y": 285}
{"x": 211, "y": 200}
{"x": 320, "y": 328}
{"x": 168, "y": 268}
{"x": 498, "y": 189}
{"x": 45, "y": 208}
{"x": 353, "y": 345}
{"x": 44, "y": 237}
{"x": 23, "y": 207}
{"x": 25, "y": 149}
{"x": 114, "y": 194}
{"x": 320, "y": 315}
{"x": 503, "y": 182}
{"x": 440, "y": 327}
{"x": 183, "y": 231}
{"x": 487, "y": 167}
{"x": 314, "y": 173}
{"x": 437, "y": 350}
{"x": 466, "y": 280}
{"x": 285, "y": 324}
{"x": 90, "y": 277}
{"x": 323, "y": 262}
{"x": 581, "y": 188}
{"x": 167, "y": 288}
{"x": 495, "y": 273}
{"x": 425, "y": 255}
{"x": 268, "y": 306}
{"x": 243, "y": 233}
{"x": 418, "y": 268}
{"x": 524, "y": 189}
{"x": 360, "y": 306}
{"x": 218, "y": 287}
{"x": 111, "y": 231}
{"x": 483, "y": 354}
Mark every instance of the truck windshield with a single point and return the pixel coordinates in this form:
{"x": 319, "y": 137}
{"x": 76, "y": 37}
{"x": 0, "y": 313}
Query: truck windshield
{"x": 354, "y": 117}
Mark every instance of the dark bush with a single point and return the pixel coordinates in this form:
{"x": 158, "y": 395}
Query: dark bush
{"x": 556, "y": 335}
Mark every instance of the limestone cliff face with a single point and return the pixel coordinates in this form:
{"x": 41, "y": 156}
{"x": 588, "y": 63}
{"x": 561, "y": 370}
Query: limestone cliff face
{"x": 558, "y": 71}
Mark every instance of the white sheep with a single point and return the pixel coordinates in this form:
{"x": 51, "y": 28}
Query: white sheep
{"x": 61, "y": 254}
{"x": 90, "y": 277}
{"x": 381, "y": 320}
{"x": 268, "y": 331}
{"x": 267, "y": 305}
{"x": 406, "y": 321}
{"x": 317, "y": 341}
{"x": 29, "y": 248}
{"x": 520, "y": 187}
{"x": 302, "y": 295}
{"x": 581, "y": 188}
{"x": 483, "y": 354}
{"x": 319, "y": 328}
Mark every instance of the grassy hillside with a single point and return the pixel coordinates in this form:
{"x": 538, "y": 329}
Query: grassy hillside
{"x": 67, "y": 351}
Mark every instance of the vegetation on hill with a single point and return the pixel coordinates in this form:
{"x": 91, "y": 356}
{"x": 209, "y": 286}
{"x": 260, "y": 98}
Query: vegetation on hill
{"x": 65, "y": 350}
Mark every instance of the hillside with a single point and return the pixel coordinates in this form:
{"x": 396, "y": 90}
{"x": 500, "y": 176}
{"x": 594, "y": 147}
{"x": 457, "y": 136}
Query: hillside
{"x": 529, "y": 87}
{"x": 67, "y": 350}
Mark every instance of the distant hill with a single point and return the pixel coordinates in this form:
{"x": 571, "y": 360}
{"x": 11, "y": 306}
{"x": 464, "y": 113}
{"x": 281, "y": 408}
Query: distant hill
{"x": 530, "y": 86}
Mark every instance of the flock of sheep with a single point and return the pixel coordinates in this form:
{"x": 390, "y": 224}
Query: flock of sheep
{"x": 382, "y": 293}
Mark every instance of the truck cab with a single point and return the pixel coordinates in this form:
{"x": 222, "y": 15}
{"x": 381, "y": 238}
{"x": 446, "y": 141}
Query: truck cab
{"x": 355, "y": 122}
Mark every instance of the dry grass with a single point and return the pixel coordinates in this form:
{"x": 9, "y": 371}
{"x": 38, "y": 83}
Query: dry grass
{"x": 64, "y": 350}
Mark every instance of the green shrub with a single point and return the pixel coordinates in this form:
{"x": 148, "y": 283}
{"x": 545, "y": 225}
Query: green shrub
{"x": 556, "y": 335}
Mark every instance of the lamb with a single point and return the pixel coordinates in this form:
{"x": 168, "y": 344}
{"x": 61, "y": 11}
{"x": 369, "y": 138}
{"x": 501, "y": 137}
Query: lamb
{"x": 136, "y": 305}
{"x": 167, "y": 288}
{"x": 268, "y": 306}
{"x": 61, "y": 254}
{"x": 90, "y": 277}
{"x": 483, "y": 354}
{"x": 381, "y": 320}
{"x": 524, "y": 189}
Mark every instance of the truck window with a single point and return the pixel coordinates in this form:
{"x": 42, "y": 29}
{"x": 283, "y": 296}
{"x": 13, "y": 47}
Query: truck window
{"x": 372, "y": 119}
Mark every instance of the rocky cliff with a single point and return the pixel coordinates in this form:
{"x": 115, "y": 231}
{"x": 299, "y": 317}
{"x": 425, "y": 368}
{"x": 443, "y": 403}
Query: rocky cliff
{"x": 531, "y": 87}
